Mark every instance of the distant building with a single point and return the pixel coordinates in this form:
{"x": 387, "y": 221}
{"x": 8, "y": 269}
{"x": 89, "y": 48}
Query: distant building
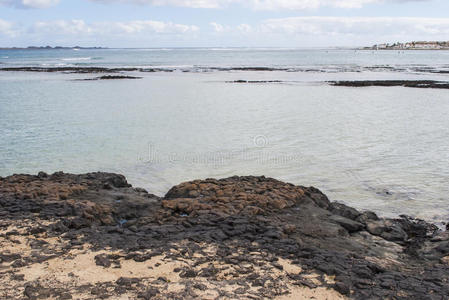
{"x": 416, "y": 45}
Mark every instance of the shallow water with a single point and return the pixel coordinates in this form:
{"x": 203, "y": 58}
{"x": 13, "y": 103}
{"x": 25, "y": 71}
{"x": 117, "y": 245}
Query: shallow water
{"x": 384, "y": 149}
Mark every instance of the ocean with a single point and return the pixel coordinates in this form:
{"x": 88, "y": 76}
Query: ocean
{"x": 384, "y": 149}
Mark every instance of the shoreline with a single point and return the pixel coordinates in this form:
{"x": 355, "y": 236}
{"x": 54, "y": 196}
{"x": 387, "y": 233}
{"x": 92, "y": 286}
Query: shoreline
{"x": 93, "y": 236}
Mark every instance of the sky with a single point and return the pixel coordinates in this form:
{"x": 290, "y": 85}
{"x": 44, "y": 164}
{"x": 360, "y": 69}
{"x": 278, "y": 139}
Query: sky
{"x": 220, "y": 23}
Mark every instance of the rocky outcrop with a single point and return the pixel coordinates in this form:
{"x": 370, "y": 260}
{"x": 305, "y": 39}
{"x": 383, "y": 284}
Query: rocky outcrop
{"x": 234, "y": 238}
{"x": 110, "y": 77}
{"x": 81, "y": 70}
{"x": 239, "y": 195}
{"x": 84, "y": 200}
{"x": 423, "y": 84}
{"x": 256, "y": 81}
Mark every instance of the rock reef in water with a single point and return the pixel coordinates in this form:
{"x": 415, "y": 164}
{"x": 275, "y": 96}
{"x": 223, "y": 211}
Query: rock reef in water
{"x": 255, "y": 81}
{"x": 94, "y": 236}
{"x": 81, "y": 70}
{"x": 423, "y": 84}
{"x": 110, "y": 77}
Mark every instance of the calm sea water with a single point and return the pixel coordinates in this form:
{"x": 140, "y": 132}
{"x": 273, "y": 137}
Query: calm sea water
{"x": 384, "y": 149}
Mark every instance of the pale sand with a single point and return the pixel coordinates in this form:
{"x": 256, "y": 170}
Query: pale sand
{"x": 304, "y": 293}
{"x": 77, "y": 267}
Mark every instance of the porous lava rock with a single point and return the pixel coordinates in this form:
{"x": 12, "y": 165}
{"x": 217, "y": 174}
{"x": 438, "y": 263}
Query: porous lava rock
{"x": 239, "y": 195}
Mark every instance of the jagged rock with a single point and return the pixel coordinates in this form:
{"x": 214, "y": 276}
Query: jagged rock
{"x": 376, "y": 227}
{"x": 189, "y": 273}
{"x": 37, "y": 292}
{"x": 387, "y": 229}
{"x": 348, "y": 224}
{"x": 366, "y": 216}
{"x": 342, "y": 288}
{"x": 102, "y": 260}
{"x": 443, "y": 247}
{"x": 127, "y": 281}
{"x": 9, "y": 257}
{"x": 149, "y": 294}
{"x": 344, "y": 211}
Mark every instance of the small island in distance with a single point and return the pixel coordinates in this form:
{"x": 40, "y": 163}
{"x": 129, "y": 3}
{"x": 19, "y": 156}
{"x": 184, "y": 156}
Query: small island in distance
{"x": 49, "y": 48}
{"x": 415, "y": 45}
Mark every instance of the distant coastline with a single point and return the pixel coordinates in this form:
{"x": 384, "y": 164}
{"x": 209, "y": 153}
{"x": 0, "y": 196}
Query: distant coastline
{"x": 415, "y": 45}
{"x": 50, "y": 48}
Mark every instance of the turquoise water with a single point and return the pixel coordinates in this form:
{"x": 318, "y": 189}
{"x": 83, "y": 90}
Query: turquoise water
{"x": 385, "y": 149}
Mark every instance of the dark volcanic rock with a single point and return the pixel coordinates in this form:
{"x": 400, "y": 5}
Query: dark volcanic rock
{"x": 344, "y": 211}
{"x": 348, "y": 224}
{"x": 255, "y": 81}
{"x": 239, "y": 195}
{"x": 84, "y": 200}
{"x": 112, "y": 77}
{"x": 102, "y": 260}
{"x": 81, "y": 70}
{"x": 405, "y": 83}
{"x": 68, "y": 69}
{"x": 237, "y": 231}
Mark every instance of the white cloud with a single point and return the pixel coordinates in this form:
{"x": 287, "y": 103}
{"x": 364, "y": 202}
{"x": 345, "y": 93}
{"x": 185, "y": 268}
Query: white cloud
{"x": 335, "y": 31}
{"x": 254, "y": 4}
{"x": 181, "y": 3}
{"x": 29, "y": 3}
{"x": 153, "y": 26}
{"x": 217, "y": 27}
{"x": 357, "y": 26}
{"x": 79, "y": 27}
{"x": 239, "y": 29}
{"x": 261, "y": 4}
{"x": 289, "y": 32}
{"x": 245, "y": 28}
{"x": 134, "y": 33}
{"x": 307, "y": 4}
{"x": 72, "y": 27}
{"x": 7, "y": 29}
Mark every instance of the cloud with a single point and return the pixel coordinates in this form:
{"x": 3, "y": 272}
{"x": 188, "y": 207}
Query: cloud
{"x": 244, "y": 28}
{"x": 357, "y": 26}
{"x": 135, "y": 33}
{"x": 218, "y": 27}
{"x": 137, "y": 27}
{"x": 133, "y": 27}
{"x": 72, "y": 27}
{"x": 289, "y": 32}
{"x": 253, "y": 4}
{"x": 261, "y": 4}
{"x": 181, "y": 3}
{"x": 7, "y": 29}
{"x": 29, "y": 3}
{"x": 334, "y": 31}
